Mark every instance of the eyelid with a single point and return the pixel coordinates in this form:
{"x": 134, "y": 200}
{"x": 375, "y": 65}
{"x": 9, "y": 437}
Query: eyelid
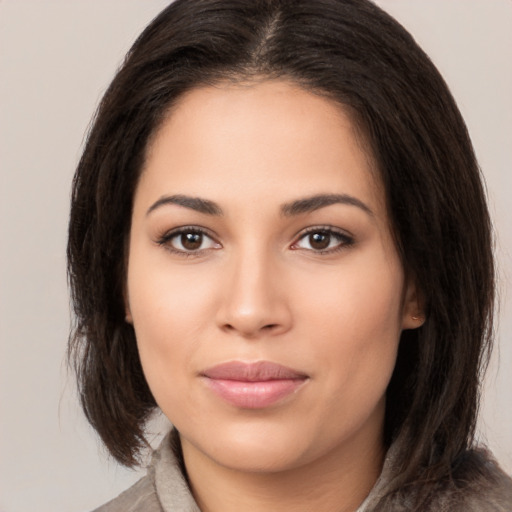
{"x": 346, "y": 239}
{"x": 165, "y": 239}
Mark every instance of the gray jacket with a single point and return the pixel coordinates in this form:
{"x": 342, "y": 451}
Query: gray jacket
{"x": 164, "y": 488}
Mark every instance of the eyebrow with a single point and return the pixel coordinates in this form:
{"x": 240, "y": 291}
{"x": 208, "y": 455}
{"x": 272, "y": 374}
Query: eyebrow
{"x": 310, "y": 204}
{"x": 297, "y": 207}
{"x": 193, "y": 203}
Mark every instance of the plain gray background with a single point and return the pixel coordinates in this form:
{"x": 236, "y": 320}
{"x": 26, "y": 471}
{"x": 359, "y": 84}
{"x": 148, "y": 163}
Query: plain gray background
{"x": 56, "y": 58}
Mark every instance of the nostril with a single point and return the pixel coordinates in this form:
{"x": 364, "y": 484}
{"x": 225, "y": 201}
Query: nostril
{"x": 250, "y": 331}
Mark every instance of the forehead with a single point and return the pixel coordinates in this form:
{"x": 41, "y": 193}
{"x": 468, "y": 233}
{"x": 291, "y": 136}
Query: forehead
{"x": 244, "y": 138}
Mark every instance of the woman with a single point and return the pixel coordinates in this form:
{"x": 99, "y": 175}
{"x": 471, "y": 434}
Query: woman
{"x": 279, "y": 237}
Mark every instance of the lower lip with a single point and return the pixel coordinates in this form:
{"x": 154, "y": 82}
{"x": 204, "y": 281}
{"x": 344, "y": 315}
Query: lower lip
{"x": 254, "y": 395}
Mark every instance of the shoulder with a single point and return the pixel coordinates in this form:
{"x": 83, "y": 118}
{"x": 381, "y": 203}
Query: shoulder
{"x": 476, "y": 484}
{"x": 140, "y": 497}
{"x": 163, "y": 489}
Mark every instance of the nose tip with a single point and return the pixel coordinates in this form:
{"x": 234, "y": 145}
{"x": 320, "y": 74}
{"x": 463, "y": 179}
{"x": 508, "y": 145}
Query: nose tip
{"x": 250, "y": 327}
{"x": 254, "y": 304}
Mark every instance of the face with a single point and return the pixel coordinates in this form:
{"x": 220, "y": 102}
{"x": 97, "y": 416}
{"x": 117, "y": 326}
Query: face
{"x": 263, "y": 284}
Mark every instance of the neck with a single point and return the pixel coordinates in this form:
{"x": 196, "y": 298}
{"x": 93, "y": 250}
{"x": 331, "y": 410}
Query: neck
{"x": 336, "y": 482}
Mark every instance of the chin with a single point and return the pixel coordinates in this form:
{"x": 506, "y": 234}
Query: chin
{"x": 259, "y": 457}
{"x": 258, "y": 447}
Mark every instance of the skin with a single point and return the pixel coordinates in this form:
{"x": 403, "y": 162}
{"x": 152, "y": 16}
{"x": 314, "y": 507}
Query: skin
{"x": 258, "y": 288}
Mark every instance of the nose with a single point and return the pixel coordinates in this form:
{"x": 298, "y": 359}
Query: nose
{"x": 254, "y": 302}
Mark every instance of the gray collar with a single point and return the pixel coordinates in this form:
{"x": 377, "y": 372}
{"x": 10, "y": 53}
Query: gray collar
{"x": 174, "y": 492}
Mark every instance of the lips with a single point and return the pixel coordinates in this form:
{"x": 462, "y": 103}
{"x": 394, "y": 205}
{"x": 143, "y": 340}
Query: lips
{"x": 253, "y": 385}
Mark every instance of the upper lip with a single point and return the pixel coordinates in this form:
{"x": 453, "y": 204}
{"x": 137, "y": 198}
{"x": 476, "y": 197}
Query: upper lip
{"x": 259, "y": 371}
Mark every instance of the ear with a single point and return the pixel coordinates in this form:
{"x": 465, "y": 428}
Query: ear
{"x": 128, "y": 317}
{"x": 413, "y": 310}
{"x": 127, "y": 311}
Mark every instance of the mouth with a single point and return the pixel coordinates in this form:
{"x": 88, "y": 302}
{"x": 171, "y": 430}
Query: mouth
{"x": 253, "y": 385}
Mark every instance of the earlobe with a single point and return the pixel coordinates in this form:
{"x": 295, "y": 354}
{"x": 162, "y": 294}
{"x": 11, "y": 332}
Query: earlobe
{"x": 413, "y": 315}
{"x": 413, "y": 321}
{"x": 127, "y": 311}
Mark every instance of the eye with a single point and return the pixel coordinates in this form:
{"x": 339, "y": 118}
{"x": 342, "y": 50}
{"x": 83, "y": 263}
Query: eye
{"x": 188, "y": 241}
{"x": 323, "y": 240}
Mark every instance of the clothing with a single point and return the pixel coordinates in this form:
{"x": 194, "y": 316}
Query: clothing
{"x": 165, "y": 489}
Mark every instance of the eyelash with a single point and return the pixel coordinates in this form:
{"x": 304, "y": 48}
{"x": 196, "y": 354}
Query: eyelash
{"x": 166, "y": 238}
{"x": 345, "y": 240}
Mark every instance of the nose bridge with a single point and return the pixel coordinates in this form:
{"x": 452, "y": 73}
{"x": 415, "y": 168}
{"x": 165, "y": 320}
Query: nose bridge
{"x": 253, "y": 300}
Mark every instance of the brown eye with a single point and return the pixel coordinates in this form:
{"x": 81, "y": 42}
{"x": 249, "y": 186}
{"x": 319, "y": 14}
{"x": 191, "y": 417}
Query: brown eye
{"x": 191, "y": 241}
{"x": 323, "y": 241}
{"x": 188, "y": 241}
{"x": 319, "y": 241}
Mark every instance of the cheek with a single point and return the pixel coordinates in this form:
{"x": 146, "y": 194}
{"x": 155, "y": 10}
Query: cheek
{"x": 360, "y": 302}
{"x": 356, "y": 322}
{"x": 170, "y": 308}
{"x": 165, "y": 297}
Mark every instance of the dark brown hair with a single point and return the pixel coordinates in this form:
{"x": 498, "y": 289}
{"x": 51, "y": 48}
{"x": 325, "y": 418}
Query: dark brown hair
{"x": 350, "y": 51}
